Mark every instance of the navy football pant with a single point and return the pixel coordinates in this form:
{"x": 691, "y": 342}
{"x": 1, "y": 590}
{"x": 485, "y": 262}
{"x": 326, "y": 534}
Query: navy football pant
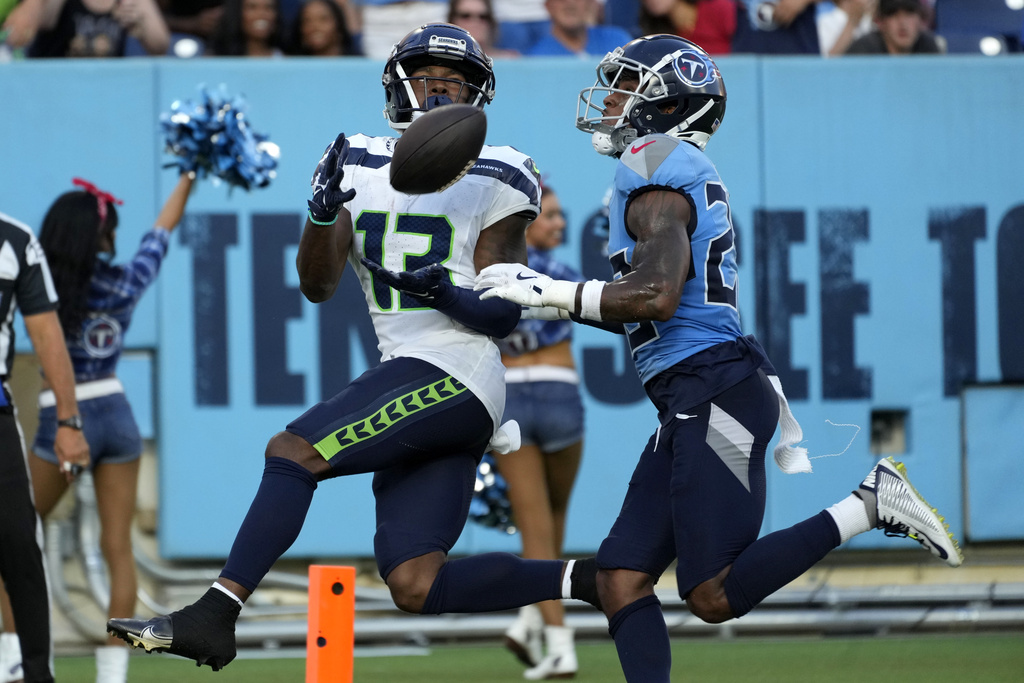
{"x": 422, "y": 433}
{"x": 698, "y": 492}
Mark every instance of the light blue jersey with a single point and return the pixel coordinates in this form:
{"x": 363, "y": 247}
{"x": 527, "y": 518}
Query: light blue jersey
{"x": 707, "y": 313}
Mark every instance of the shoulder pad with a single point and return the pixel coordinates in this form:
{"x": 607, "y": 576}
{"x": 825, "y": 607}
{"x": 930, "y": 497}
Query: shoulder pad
{"x": 646, "y": 154}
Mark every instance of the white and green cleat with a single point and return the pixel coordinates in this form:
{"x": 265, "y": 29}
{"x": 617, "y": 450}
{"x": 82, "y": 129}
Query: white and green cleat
{"x": 898, "y": 509}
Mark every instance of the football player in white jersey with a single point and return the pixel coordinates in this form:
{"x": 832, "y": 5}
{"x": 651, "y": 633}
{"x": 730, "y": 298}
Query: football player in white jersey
{"x": 422, "y": 419}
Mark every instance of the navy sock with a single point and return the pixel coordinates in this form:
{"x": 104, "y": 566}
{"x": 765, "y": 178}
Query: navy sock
{"x": 490, "y": 582}
{"x": 641, "y": 639}
{"x": 771, "y": 562}
{"x": 273, "y": 522}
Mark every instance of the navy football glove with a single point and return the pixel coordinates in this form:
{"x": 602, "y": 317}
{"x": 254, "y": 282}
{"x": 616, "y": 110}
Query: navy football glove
{"x": 430, "y": 285}
{"x": 327, "y": 195}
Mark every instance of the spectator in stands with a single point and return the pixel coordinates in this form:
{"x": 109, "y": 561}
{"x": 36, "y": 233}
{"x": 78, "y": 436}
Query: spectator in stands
{"x": 521, "y": 23}
{"x": 776, "y": 27}
{"x": 841, "y": 22}
{"x": 99, "y": 28}
{"x": 900, "y": 31}
{"x": 477, "y": 17}
{"x": 709, "y": 23}
{"x": 198, "y": 18}
{"x": 573, "y": 31}
{"x": 249, "y": 28}
{"x": 18, "y": 24}
{"x": 320, "y": 30}
{"x": 385, "y": 22}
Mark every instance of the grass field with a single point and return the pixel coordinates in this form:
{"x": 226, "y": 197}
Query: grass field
{"x": 959, "y": 658}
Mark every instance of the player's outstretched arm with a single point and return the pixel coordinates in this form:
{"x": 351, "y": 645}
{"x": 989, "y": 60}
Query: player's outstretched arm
{"x": 321, "y": 258}
{"x": 660, "y": 263}
{"x": 328, "y": 233}
{"x": 651, "y": 291}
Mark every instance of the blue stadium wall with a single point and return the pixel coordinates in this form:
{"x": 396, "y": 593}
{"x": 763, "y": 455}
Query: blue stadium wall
{"x": 880, "y": 211}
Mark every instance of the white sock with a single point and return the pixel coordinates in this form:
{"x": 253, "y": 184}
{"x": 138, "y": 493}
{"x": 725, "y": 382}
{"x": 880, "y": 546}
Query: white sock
{"x": 225, "y": 591}
{"x": 567, "y": 580}
{"x": 531, "y": 616}
{"x": 851, "y": 517}
{"x": 112, "y": 664}
{"x": 10, "y": 657}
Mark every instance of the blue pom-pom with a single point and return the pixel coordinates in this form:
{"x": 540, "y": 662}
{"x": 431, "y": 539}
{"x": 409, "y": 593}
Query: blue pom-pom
{"x": 213, "y": 137}
{"x": 490, "y": 506}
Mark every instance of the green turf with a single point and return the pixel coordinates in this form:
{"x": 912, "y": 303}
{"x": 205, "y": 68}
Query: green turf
{"x": 925, "y": 659}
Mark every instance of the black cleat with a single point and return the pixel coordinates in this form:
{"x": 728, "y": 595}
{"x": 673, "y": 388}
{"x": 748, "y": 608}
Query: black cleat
{"x": 196, "y": 632}
{"x": 583, "y": 581}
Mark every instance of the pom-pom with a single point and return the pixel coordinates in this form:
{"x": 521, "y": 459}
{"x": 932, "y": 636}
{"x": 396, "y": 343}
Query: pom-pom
{"x": 213, "y": 137}
{"x": 490, "y": 505}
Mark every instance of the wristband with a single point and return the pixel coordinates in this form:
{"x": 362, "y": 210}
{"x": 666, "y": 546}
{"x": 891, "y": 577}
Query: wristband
{"x": 561, "y": 294}
{"x": 316, "y": 222}
{"x": 590, "y": 300}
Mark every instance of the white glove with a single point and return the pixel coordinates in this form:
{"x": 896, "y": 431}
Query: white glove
{"x": 524, "y": 286}
{"x": 544, "y": 313}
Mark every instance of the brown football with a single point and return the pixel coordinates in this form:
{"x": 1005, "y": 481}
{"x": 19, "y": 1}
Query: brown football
{"x": 438, "y": 149}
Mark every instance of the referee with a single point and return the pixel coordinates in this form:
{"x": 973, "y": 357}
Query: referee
{"x": 25, "y": 284}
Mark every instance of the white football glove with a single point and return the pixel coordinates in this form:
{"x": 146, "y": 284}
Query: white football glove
{"x": 544, "y": 313}
{"x": 524, "y": 286}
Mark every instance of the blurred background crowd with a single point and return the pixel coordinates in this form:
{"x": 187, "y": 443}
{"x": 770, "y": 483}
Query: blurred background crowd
{"x": 506, "y": 28}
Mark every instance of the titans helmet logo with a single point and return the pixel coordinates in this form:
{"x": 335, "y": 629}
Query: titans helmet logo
{"x": 694, "y": 69}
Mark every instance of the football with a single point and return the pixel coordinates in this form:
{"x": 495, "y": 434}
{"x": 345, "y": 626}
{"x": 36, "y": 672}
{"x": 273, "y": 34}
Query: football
{"x": 438, "y": 149}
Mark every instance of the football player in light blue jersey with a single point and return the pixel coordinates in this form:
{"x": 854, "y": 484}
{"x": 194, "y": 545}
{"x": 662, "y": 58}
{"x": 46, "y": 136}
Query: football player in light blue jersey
{"x": 697, "y": 495}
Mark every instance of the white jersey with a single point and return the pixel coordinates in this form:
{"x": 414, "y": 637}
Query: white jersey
{"x": 406, "y": 232}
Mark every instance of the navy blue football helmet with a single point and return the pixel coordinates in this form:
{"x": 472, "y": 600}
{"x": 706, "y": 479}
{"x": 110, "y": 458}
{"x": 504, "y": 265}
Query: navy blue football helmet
{"x": 435, "y": 44}
{"x": 673, "y": 86}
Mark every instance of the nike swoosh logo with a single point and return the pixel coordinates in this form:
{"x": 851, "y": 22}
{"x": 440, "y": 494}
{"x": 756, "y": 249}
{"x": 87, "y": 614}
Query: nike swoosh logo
{"x": 684, "y": 416}
{"x": 519, "y": 276}
{"x": 634, "y": 149}
{"x": 148, "y": 633}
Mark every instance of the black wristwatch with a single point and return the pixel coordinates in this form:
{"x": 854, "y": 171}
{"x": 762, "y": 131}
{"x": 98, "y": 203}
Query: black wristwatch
{"x": 75, "y": 422}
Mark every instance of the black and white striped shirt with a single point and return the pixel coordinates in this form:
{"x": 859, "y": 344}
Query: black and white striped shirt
{"x": 25, "y": 284}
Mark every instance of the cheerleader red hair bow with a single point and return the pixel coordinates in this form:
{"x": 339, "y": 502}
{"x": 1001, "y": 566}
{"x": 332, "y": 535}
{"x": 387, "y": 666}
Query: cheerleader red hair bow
{"x": 102, "y": 198}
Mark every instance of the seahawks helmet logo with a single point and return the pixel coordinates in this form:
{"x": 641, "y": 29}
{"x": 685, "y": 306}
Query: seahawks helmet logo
{"x": 694, "y": 69}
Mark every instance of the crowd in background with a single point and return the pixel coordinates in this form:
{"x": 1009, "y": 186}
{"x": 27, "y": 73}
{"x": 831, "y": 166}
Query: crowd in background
{"x": 505, "y": 28}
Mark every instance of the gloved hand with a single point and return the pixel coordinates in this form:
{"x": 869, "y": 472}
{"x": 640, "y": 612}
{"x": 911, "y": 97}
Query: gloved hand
{"x": 430, "y": 285}
{"x": 543, "y": 313}
{"x": 513, "y": 282}
{"x": 327, "y": 195}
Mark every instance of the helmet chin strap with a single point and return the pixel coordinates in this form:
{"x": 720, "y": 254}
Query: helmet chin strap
{"x": 696, "y": 137}
{"x": 602, "y": 143}
{"x": 612, "y": 142}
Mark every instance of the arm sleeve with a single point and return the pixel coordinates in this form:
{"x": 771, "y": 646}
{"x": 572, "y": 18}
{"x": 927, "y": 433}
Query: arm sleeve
{"x": 614, "y": 328}
{"x": 493, "y": 317}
